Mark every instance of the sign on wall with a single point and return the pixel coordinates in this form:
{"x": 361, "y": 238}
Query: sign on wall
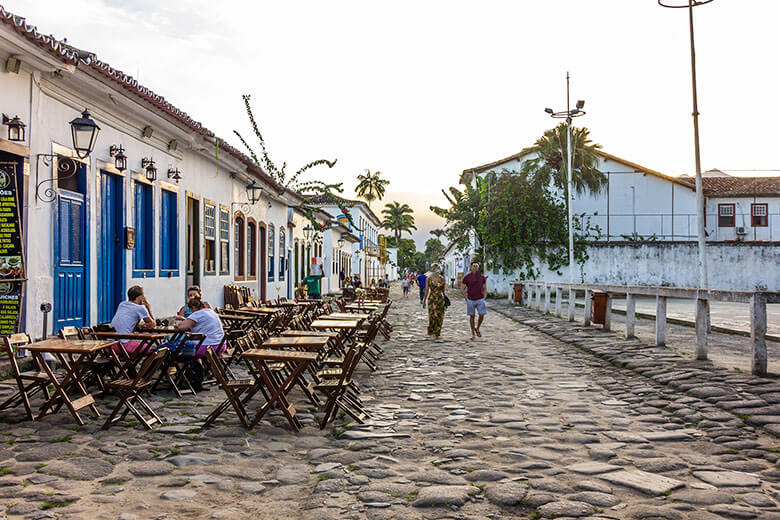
{"x": 12, "y": 265}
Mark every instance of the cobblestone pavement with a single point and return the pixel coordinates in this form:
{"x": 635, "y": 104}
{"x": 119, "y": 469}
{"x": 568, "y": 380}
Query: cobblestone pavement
{"x": 517, "y": 424}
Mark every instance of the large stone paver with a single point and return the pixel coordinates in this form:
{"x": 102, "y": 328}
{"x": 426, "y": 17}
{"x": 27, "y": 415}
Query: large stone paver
{"x": 512, "y": 424}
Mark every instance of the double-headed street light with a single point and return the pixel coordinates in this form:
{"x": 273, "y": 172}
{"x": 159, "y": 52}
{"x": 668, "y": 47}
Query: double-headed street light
{"x": 568, "y": 114}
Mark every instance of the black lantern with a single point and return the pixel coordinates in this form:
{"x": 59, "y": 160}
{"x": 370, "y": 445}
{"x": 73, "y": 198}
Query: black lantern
{"x": 85, "y": 133}
{"x": 15, "y": 128}
{"x": 151, "y": 169}
{"x": 254, "y": 191}
{"x": 174, "y": 174}
{"x": 340, "y": 242}
{"x": 120, "y": 159}
{"x": 307, "y": 231}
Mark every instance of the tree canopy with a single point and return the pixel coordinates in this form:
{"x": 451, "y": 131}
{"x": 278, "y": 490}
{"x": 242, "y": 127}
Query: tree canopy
{"x": 371, "y": 186}
{"x": 398, "y": 218}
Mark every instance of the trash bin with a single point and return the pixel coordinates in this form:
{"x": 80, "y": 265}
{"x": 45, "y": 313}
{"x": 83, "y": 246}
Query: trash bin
{"x": 518, "y": 293}
{"x": 598, "y": 306}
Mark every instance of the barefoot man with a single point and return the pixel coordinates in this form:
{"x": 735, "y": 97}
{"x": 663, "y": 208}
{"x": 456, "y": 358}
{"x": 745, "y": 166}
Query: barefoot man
{"x": 474, "y": 289}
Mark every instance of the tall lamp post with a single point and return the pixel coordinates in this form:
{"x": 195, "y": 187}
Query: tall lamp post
{"x": 690, "y": 4}
{"x": 568, "y": 114}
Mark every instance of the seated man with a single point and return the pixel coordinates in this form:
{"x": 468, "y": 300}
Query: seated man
{"x": 135, "y": 312}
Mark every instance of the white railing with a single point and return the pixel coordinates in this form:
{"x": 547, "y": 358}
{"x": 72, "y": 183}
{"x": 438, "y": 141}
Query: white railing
{"x": 537, "y": 294}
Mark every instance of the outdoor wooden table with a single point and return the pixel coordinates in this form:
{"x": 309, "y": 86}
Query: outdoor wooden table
{"x": 297, "y": 361}
{"x": 308, "y": 343}
{"x": 345, "y": 316}
{"x": 335, "y": 324}
{"x": 236, "y": 321}
{"x": 85, "y": 352}
{"x": 321, "y": 334}
{"x": 260, "y": 310}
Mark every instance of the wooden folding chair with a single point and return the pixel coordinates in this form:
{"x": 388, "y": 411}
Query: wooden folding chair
{"x": 174, "y": 375}
{"x": 233, "y": 389}
{"x": 129, "y": 393}
{"x": 335, "y": 390}
{"x": 28, "y": 383}
{"x": 70, "y": 332}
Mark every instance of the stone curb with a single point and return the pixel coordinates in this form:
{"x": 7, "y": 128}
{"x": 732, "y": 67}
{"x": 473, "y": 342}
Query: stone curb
{"x": 752, "y": 399}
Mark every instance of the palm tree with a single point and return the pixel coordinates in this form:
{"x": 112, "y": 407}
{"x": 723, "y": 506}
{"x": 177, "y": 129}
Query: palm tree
{"x": 549, "y": 165}
{"x": 398, "y": 218}
{"x": 371, "y": 186}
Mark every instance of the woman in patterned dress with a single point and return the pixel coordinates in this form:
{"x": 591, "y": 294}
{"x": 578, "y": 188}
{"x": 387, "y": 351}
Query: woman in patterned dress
{"x": 434, "y": 297}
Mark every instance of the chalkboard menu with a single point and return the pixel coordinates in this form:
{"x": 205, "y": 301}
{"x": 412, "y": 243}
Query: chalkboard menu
{"x": 12, "y": 268}
{"x": 10, "y": 307}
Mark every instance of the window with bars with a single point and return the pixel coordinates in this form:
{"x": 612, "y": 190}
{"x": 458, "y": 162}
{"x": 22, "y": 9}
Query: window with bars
{"x": 224, "y": 240}
{"x": 210, "y": 237}
{"x": 282, "y": 253}
{"x": 271, "y": 251}
{"x": 239, "y": 244}
{"x": 251, "y": 250}
{"x": 759, "y": 215}
{"x": 726, "y": 215}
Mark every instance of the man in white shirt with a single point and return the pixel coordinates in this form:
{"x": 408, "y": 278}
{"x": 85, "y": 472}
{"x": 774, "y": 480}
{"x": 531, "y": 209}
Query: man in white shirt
{"x": 136, "y": 311}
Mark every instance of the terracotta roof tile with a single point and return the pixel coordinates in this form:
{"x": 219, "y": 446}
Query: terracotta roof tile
{"x": 742, "y": 186}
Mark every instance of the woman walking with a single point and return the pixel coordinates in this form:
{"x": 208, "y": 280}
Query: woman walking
{"x": 434, "y": 297}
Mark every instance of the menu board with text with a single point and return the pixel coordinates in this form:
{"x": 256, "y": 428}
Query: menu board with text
{"x": 12, "y": 268}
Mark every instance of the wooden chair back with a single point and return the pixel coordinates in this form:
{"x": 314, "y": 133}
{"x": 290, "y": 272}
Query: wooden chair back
{"x": 12, "y": 345}
{"x": 70, "y": 333}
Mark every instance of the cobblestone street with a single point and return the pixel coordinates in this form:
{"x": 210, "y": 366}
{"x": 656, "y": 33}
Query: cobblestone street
{"x": 517, "y": 424}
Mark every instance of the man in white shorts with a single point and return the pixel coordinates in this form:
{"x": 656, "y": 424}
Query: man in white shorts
{"x": 474, "y": 289}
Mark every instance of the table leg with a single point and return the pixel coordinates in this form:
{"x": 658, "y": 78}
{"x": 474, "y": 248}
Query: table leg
{"x": 277, "y": 394}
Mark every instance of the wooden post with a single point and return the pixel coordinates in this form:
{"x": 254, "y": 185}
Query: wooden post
{"x": 558, "y": 295}
{"x": 608, "y": 314}
{"x": 630, "y": 315}
{"x": 660, "y": 321}
{"x": 588, "y": 301}
{"x": 546, "y": 298}
{"x": 758, "y": 334}
{"x": 572, "y": 302}
{"x": 702, "y": 322}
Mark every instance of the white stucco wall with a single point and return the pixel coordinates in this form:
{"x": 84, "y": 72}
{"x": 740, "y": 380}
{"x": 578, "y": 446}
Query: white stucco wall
{"x": 736, "y": 266}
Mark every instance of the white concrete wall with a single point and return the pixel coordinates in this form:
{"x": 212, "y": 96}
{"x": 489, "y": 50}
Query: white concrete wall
{"x": 736, "y": 266}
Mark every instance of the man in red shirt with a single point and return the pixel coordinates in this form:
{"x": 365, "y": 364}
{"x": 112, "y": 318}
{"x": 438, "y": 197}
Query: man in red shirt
{"x": 474, "y": 289}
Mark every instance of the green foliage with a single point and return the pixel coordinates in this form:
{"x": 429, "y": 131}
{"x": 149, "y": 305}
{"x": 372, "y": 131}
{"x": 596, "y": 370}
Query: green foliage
{"x": 371, "y": 186}
{"x": 524, "y": 222}
{"x": 398, "y": 218}
{"x": 434, "y": 250}
{"x": 549, "y": 167}
{"x": 465, "y": 212}
{"x": 310, "y": 188}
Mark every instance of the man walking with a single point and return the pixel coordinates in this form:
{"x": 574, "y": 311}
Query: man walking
{"x": 474, "y": 289}
{"x": 421, "y": 284}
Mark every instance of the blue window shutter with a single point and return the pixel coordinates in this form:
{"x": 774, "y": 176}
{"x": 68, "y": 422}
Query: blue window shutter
{"x": 169, "y": 239}
{"x": 143, "y": 256}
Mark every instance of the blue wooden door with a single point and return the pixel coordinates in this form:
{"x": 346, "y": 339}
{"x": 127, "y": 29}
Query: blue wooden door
{"x": 110, "y": 250}
{"x": 70, "y": 268}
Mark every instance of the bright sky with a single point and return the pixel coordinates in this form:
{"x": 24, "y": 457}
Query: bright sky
{"x": 421, "y": 90}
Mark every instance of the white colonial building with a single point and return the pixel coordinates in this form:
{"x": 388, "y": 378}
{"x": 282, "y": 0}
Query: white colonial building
{"x": 92, "y": 226}
{"x": 643, "y": 207}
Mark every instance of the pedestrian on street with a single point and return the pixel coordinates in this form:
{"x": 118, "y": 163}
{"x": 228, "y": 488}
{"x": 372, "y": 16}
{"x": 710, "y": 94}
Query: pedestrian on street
{"x": 421, "y": 278}
{"x": 434, "y": 297}
{"x": 405, "y": 285}
{"x": 474, "y": 289}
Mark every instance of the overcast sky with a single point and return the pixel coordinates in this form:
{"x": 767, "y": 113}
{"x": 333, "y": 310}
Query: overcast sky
{"x": 421, "y": 90}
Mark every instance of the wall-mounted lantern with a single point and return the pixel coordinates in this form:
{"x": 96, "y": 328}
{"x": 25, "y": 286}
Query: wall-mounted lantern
{"x": 85, "y": 132}
{"x": 340, "y": 242}
{"x": 120, "y": 159}
{"x": 307, "y": 231}
{"x": 151, "y": 169}
{"x": 175, "y": 174}
{"x": 15, "y": 128}
{"x": 254, "y": 191}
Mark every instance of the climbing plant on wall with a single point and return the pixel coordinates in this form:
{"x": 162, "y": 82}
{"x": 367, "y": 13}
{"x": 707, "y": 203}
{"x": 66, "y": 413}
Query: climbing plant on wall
{"x": 292, "y": 181}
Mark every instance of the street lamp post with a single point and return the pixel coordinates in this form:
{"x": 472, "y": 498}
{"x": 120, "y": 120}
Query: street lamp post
{"x": 690, "y": 4}
{"x": 702, "y": 304}
{"x": 568, "y": 114}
